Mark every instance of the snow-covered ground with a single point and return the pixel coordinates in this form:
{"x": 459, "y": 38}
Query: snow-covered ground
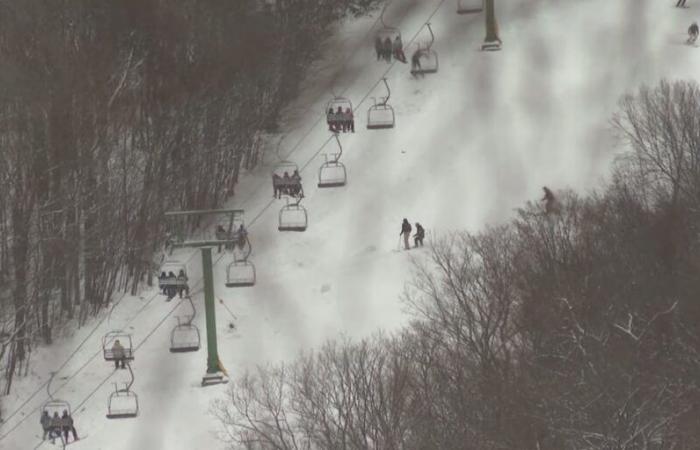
{"x": 471, "y": 143}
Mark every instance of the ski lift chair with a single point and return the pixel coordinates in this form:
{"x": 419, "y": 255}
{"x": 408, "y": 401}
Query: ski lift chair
{"x": 185, "y": 337}
{"x": 123, "y": 338}
{"x": 386, "y": 31}
{"x": 56, "y": 406}
{"x": 293, "y": 217}
{"x": 170, "y": 283}
{"x": 469, "y": 6}
{"x": 429, "y": 62}
{"x": 123, "y": 403}
{"x": 240, "y": 274}
{"x": 381, "y": 115}
{"x": 332, "y": 172}
{"x": 289, "y": 168}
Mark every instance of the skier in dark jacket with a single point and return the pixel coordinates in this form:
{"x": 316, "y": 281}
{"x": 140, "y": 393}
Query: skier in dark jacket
{"x": 46, "y": 425}
{"x": 415, "y": 60}
{"x": 182, "y": 283}
{"x": 387, "y": 49}
{"x": 406, "y": 232}
{"x": 693, "y": 32}
{"x": 398, "y": 50}
{"x": 419, "y": 236}
{"x": 379, "y": 47}
{"x": 67, "y": 425}
{"x": 550, "y": 201}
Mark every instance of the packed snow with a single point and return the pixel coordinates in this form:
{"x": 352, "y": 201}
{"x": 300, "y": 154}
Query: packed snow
{"x": 471, "y": 143}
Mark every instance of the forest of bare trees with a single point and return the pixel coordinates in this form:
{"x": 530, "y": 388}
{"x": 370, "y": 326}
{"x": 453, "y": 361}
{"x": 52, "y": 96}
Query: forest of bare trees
{"x": 113, "y": 112}
{"x": 579, "y": 330}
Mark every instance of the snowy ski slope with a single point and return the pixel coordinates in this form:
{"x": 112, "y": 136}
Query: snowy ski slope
{"x": 471, "y": 143}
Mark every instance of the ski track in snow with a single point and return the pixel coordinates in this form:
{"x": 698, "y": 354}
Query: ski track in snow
{"x": 471, "y": 143}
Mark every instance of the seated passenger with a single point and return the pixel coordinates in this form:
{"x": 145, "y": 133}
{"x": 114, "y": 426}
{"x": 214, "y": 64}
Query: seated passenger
{"x": 350, "y": 119}
{"x": 330, "y": 118}
{"x": 276, "y": 186}
{"x": 119, "y": 355}
{"x": 56, "y": 426}
{"x": 182, "y": 283}
{"x": 286, "y": 183}
{"x": 163, "y": 282}
{"x": 340, "y": 120}
{"x": 242, "y": 237}
{"x": 67, "y": 425}
{"x": 46, "y": 425}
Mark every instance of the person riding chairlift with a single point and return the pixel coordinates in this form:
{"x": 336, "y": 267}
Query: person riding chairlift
{"x": 388, "y": 49}
{"x": 67, "y": 426}
{"x": 398, "y": 50}
{"x": 330, "y": 119}
{"x": 182, "y": 283}
{"x": 119, "y": 355}
{"x": 415, "y": 60}
{"x": 693, "y": 32}
{"x": 350, "y": 119}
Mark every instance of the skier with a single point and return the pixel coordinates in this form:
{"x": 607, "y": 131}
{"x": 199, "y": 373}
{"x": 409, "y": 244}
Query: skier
{"x": 55, "y": 427}
{"x": 286, "y": 184}
{"x": 119, "y": 355}
{"x": 415, "y": 60}
{"x": 378, "y": 47}
{"x": 182, "y": 283}
{"x": 46, "y": 425}
{"x": 67, "y": 425}
{"x": 276, "y": 186}
{"x": 171, "y": 285}
{"x": 680, "y": 4}
{"x": 549, "y": 205}
{"x": 350, "y": 119}
{"x": 340, "y": 120}
{"x": 296, "y": 183}
{"x": 330, "y": 118}
{"x": 406, "y": 232}
{"x": 419, "y": 236}
{"x": 387, "y": 49}
{"x": 693, "y": 31}
{"x": 163, "y": 282}
{"x": 242, "y": 237}
{"x": 398, "y": 50}
{"x": 220, "y": 236}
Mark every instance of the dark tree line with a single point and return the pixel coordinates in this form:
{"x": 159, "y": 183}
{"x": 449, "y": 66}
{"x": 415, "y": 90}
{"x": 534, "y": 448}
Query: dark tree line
{"x": 578, "y": 330}
{"x": 112, "y": 113}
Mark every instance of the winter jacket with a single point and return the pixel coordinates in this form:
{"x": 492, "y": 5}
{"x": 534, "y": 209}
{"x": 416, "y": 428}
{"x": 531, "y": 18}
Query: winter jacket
{"x": 420, "y": 232}
{"x": 405, "y": 227}
{"x": 117, "y": 351}
{"x": 45, "y": 421}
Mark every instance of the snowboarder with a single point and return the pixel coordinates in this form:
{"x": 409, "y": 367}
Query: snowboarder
{"x": 398, "y": 50}
{"x": 406, "y": 232}
{"x": 680, "y": 4}
{"x": 67, "y": 426}
{"x": 549, "y": 205}
{"x": 415, "y": 60}
{"x": 119, "y": 355}
{"x": 693, "y": 31}
{"x": 419, "y": 236}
